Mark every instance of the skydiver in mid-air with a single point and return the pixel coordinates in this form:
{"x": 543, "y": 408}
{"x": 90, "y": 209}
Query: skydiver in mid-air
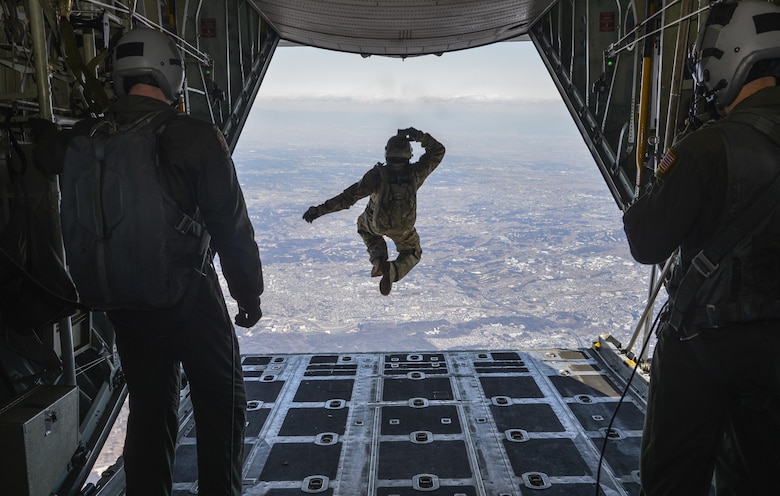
{"x": 392, "y": 206}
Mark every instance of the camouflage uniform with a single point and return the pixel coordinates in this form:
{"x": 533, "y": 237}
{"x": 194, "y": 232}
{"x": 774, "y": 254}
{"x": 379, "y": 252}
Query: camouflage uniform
{"x": 407, "y": 241}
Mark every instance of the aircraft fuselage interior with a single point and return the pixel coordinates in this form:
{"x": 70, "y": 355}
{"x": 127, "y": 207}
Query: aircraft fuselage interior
{"x": 413, "y": 422}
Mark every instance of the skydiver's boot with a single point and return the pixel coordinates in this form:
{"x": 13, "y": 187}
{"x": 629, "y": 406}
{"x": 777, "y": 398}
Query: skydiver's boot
{"x": 388, "y": 277}
{"x": 376, "y": 271}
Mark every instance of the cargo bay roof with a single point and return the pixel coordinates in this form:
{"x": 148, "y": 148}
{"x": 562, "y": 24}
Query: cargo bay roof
{"x": 400, "y": 28}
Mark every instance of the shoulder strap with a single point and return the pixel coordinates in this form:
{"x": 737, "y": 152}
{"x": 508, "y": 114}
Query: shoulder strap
{"x": 154, "y": 121}
{"x": 762, "y": 120}
{"x": 767, "y": 123}
{"x": 382, "y": 170}
{"x": 707, "y": 261}
{"x": 708, "y": 258}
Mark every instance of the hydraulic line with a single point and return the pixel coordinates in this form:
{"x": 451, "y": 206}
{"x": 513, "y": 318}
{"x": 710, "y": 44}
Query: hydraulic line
{"x": 644, "y": 99}
{"x": 651, "y": 301}
{"x": 629, "y": 39}
{"x": 677, "y": 72}
{"x": 42, "y": 80}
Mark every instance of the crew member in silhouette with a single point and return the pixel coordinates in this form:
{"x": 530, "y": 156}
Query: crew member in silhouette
{"x": 714, "y": 399}
{"x": 392, "y": 207}
{"x": 194, "y": 333}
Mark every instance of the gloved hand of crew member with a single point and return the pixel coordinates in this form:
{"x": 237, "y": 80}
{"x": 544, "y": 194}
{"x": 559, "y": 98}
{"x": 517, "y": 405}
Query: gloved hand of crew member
{"x": 413, "y": 134}
{"x": 311, "y": 214}
{"x": 248, "y": 313}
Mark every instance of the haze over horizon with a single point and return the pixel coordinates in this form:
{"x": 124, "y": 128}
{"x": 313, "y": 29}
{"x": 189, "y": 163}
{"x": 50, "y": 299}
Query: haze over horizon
{"x": 509, "y": 71}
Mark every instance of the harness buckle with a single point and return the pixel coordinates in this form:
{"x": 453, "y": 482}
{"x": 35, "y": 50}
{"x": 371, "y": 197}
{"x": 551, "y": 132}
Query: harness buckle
{"x": 204, "y": 251}
{"x": 188, "y": 225}
{"x": 703, "y": 265}
{"x": 712, "y": 315}
{"x": 185, "y": 224}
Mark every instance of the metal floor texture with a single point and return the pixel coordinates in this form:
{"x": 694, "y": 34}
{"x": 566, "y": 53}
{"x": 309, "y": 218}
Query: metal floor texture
{"x": 462, "y": 423}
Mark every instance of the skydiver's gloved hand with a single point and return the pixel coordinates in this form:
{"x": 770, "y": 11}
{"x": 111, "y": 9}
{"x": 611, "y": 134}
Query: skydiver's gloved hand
{"x": 248, "y": 313}
{"x": 412, "y": 134}
{"x": 311, "y": 214}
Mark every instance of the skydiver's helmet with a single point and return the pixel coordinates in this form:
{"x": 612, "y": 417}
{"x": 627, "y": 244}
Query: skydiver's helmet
{"x": 398, "y": 149}
{"x": 734, "y": 38}
{"x": 148, "y": 56}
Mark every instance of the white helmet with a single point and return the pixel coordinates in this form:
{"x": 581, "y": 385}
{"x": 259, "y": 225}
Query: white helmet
{"x": 147, "y": 52}
{"x": 735, "y": 37}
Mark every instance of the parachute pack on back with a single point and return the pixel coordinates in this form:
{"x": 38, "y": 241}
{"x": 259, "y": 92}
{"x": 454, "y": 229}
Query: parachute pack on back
{"x": 395, "y": 204}
{"x": 128, "y": 244}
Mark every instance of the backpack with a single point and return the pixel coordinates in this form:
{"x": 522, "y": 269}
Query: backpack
{"x": 395, "y": 203}
{"x": 734, "y": 278}
{"x": 128, "y": 244}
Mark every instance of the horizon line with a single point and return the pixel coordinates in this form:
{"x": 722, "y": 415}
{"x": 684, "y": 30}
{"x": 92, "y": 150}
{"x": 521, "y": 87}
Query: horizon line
{"x": 428, "y": 99}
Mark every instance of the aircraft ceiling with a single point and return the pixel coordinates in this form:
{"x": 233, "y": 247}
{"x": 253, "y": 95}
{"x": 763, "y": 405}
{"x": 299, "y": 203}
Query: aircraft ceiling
{"x": 400, "y": 28}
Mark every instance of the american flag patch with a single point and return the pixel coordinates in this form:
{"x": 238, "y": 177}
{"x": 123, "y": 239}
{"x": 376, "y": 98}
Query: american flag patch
{"x": 667, "y": 161}
{"x": 222, "y": 141}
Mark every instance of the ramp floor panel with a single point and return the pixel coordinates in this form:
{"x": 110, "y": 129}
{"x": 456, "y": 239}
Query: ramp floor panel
{"x": 444, "y": 423}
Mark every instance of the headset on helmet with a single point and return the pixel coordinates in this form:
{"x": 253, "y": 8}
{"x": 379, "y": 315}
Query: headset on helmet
{"x": 144, "y": 52}
{"x": 398, "y": 147}
{"x": 735, "y": 36}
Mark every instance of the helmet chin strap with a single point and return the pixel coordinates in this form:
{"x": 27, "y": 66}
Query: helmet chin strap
{"x": 712, "y": 95}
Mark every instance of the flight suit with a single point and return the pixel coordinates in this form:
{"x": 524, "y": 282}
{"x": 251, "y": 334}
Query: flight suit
{"x": 197, "y": 333}
{"x": 714, "y": 401}
{"x": 407, "y": 243}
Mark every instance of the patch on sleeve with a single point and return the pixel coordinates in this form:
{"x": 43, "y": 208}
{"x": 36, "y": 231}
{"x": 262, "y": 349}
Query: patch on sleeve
{"x": 222, "y": 141}
{"x": 667, "y": 162}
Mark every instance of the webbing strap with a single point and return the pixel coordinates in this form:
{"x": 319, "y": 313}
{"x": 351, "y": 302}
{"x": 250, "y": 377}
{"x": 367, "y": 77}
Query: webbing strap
{"x": 738, "y": 229}
{"x": 153, "y": 120}
{"x": 762, "y": 120}
{"x": 707, "y": 261}
{"x": 740, "y": 311}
